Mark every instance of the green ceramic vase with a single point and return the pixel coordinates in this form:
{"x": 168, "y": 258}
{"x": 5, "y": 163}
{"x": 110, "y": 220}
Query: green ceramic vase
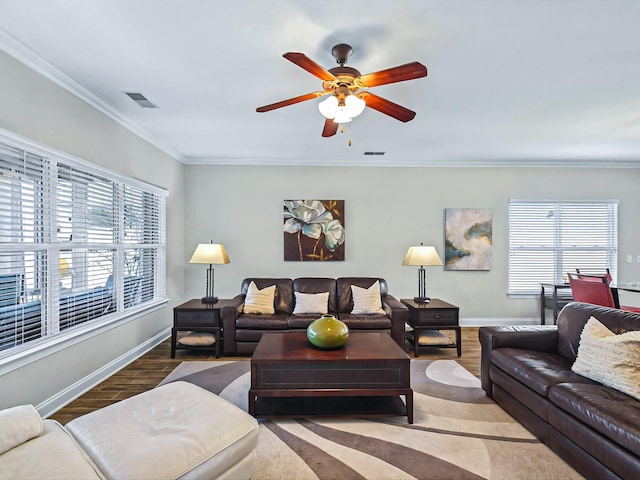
{"x": 328, "y": 332}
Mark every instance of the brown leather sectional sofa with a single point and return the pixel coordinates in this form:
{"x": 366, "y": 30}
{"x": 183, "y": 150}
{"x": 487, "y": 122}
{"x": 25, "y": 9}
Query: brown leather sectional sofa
{"x": 527, "y": 371}
{"x": 242, "y": 332}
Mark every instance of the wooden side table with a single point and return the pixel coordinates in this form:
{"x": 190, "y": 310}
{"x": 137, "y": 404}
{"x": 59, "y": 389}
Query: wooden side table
{"x": 435, "y": 315}
{"x": 198, "y": 317}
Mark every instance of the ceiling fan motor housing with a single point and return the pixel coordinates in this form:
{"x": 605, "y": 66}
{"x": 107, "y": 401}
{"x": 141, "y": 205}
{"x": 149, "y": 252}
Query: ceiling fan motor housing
{"x": 345, "y": 76}
{"x": 341, "y": 53}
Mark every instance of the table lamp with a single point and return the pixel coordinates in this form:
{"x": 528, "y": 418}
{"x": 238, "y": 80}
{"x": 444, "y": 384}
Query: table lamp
{"x": 422, "y": 256}
{"x": 213, "y": 254}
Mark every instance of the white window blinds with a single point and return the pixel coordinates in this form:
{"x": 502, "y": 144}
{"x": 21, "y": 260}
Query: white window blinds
{"x": 548, "y": 239}
{"x": 79, "y": 245}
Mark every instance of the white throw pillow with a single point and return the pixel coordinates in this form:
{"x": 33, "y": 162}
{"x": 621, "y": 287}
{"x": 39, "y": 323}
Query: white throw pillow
{"x": 311, "y": 303}
{"x": 367, "y": 300}
{"x": 613, "y": 360}
{"x": 260, "y": 301}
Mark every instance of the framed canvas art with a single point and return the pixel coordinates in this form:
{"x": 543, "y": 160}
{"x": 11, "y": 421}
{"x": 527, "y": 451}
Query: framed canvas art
{"x": 468, "y": 238}
{"x": 314, "y": 230}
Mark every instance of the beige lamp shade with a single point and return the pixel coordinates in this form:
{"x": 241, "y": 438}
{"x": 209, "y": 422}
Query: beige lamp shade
{"x": 421, "y": 255}
{"x": 211, "y": 253}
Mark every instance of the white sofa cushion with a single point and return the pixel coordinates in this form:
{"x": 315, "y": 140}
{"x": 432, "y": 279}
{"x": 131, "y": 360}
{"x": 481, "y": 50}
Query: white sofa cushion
{"x": 608, "y": 358}
{"x": 260, "y": 302}
{"x": 52, "y": 455}
{"x": 177, "y": 430}
{"x": 311, "y": 303}
{"x": 367, "y": 301}
{"x": 17, "y": 425}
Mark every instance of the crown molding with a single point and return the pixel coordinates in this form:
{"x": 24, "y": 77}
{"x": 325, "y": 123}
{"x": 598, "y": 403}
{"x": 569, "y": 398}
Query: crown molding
{"x": 398, "y": 163}
{"x": 31, "y": 59}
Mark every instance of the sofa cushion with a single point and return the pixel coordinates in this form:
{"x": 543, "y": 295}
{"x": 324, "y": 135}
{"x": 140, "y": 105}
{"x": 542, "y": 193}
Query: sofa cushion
{"x": 366, "y": 322}
{"x": 318, "y": 285}
{"x": 610, "y": 359}
{"x": 283, "y": 302}
{"x": 317, "y": 303}
{"x": 52, "y": 455}
{"x": 260, "y": 300}
{"x": 176, "y": 430}
{"x": 301, "y": 321}
{"x": 366, "y": 300}
{"x": 18, "y": 425}
{"x": 574, "y": 316}
{"x": 537, "y": 370}
{"x": 608, "y": 411}
{"x": 345, "y": 296}
{"x": 262, "y": 322}
{"x": 519, "y": 392}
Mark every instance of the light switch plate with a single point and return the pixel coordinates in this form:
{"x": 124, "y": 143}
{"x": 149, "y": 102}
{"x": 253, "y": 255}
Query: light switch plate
{"x": 638, "y": 259}
{"x": 629, "y": 259}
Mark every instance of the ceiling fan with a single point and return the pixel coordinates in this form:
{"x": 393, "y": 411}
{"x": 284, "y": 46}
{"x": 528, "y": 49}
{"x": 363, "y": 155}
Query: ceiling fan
{"x": 346, "y": 89}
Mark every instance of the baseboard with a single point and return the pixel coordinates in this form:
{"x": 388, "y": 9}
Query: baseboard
{"x": 59, "y": 400}
{"x": 487, "y": 322}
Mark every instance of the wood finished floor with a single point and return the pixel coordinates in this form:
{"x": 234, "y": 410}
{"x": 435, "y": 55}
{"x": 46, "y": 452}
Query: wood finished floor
{"x": 150, "y": 369}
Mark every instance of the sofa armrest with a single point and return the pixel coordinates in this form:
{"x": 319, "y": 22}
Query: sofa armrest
{"x": 228, "y": 316}
{"x": 542, "y": 338}
{"x": 398, "y": 313}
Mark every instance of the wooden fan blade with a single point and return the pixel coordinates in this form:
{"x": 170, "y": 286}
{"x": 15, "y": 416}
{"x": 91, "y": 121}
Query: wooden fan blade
{"x": 401, "y": 73}
{"x": 330, "y": 128}
{"x": 309, "y": 65}
{"x": 291, "y": 101}
{"x": 387, "y": 107}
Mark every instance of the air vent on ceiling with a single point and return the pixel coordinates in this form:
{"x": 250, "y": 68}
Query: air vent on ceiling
{"x": 374, "y": 153}
{"x": 140, "y": 100}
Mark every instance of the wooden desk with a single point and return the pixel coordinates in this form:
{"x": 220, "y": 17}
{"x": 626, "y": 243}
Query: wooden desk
{"x": 435, "y": 315}
{"x": 554, "y": 296}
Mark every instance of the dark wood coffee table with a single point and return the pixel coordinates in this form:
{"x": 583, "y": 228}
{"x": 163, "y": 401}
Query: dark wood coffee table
{"x": 365, "y": 378}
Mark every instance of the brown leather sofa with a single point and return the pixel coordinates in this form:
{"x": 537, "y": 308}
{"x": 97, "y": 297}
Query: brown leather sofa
{"x": 242, "y": 332}
{"x": 527, "y": 371}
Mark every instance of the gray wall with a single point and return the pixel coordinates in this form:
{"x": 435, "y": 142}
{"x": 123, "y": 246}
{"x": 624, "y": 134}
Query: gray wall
{"x": 386, "y": 211}
{"x": 33, "y": 106}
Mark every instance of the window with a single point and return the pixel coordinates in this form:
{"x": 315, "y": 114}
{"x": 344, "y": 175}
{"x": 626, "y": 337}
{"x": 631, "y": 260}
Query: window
{"x": 549, "y": 239}
{"x": 79, "y": 246}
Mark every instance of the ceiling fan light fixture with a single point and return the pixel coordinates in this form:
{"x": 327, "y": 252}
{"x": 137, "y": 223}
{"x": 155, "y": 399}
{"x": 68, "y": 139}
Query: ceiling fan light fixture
{"x": 342, "y": 115}
{"x": 331, "y": 108}
{"x": 354, "y": 105}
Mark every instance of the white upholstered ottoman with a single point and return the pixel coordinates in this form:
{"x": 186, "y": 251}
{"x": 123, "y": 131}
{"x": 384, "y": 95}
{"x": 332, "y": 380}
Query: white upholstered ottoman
{"x": 177, "y": 430}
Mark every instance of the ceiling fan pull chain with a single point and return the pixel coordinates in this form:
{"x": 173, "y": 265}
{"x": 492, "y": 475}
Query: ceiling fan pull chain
{"x": 349, "y": 133}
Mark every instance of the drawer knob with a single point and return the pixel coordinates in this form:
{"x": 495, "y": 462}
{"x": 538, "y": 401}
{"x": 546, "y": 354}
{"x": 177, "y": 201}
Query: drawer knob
{"x": 437, "y": 316}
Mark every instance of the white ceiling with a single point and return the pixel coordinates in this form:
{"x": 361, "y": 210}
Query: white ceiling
{"x": 527, "y": 82}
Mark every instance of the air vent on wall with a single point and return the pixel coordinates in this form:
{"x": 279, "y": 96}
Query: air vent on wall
{"x": 140, "y": 100}
{"x": 374, "y": 153}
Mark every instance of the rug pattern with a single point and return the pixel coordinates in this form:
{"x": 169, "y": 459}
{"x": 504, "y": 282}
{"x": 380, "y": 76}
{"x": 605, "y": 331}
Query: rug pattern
{"x": 458, "y": 433}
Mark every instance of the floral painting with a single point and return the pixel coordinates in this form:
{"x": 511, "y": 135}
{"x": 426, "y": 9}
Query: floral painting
{"x": 313, "y": 230}
{"x": 468, "y": 238}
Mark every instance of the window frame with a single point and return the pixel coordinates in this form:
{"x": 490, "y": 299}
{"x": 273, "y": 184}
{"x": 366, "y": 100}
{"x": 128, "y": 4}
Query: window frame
{"x": 54, "y": 340}
{"x": 561, "y": 246}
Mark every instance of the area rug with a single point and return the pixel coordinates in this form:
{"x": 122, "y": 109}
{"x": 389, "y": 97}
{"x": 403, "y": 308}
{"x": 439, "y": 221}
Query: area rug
{"x": 458, "y": 433}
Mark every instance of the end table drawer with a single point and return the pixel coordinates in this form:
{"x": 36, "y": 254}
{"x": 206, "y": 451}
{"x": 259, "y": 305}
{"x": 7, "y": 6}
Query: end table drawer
{"x": 437, "y": 318}
{"x": 195, "y": 318}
